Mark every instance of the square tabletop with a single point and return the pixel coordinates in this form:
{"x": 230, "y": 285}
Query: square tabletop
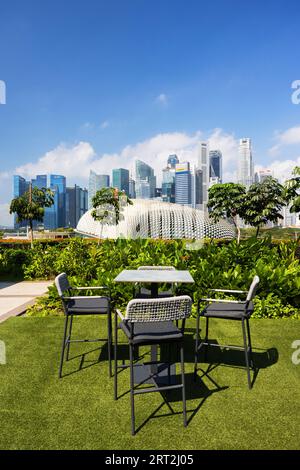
{"x": 154, "y": 276}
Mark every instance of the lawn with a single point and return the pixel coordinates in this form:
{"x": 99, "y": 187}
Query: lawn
{"x": 39, "y": 411}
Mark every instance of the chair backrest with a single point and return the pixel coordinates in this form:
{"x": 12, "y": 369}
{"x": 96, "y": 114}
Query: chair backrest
{"x": 155, "y": 268}
{"x": 253, "y": 288}
{"x": 155, "y": 310}
{"x": 62, "y": 284}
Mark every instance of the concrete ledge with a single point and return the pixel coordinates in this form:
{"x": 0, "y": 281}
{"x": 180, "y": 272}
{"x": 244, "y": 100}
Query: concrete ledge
{"x": 15, "y": 298}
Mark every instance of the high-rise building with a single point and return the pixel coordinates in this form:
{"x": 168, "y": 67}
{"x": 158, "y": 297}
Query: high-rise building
{"x": 200, "y": 178}
{"x": 20, "y": 186}
{"x": 58, "y": 186}
{"x": 172, "y": 161}
{"x": 121, "y": 179}
{"x": 132, "y": 192}
{"x": 262, "y": 174}
{"x": 245, "y": 163}
{"x": 145, "y": 180}
{"x": 40, "y": 182}
{"x": 96, "y": 182}
{"x": 76, "y": 205}
{"x": 215, "y": 166}
{"x": 183, "y": 184}
{"x": 168, "y": 181}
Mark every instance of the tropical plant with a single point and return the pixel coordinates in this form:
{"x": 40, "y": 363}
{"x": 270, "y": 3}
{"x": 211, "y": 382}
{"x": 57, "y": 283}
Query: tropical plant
{"x": 292, "y": 191}
{"x": 107, "y": 206}
{"x": 226, "y": 200}
{"x": 31, "y": 206}
{"x": 263, "y": 203}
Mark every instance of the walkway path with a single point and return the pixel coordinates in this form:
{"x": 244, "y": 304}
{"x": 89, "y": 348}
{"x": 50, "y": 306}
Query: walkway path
{"x": 15, "y": 297}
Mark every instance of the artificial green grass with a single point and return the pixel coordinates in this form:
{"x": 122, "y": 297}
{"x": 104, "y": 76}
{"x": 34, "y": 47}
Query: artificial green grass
{"x": 39, "y": 411}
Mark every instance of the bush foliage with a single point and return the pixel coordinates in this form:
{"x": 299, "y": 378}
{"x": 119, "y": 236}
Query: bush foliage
{"x": 213, "y": 264}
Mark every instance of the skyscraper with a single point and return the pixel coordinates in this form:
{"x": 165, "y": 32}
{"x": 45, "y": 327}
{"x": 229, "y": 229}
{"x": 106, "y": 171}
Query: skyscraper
{"x": 145, "y": 180}
{"x": 40, "y": 181}
{"x": 173, "y": 160}
{"x": 168, "y": 181}
{"x": 200, "y": 178}
{"x": 263, "y": 174}
{"x": 183, "y": 184}
{"x": 215, "y": 166}
{"x": 132, "y": 193}
{"x": 76, "y": 205}
{"x": 58, "y": 186}
{"x": 96, "y": 182}
{"x": 245, "y": 163}
{"x": 121, "y": 179}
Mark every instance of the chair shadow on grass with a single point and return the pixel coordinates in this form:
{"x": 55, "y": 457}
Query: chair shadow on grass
{"x": 85, "y": 361}
{"x": 215, "y": 357}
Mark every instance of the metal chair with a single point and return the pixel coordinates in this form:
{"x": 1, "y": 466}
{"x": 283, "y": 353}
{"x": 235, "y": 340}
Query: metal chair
{"x": 82, "y": 305}
{"x": 228, "y": 310}
{"x": 151, "y": 322}
{"x": 141, "y": 292}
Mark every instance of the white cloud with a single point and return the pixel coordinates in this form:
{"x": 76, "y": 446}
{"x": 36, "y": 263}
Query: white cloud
{"x": 288, "y": 137}
{"x": 69, "y": 161}
{"x": 162, "y": 99}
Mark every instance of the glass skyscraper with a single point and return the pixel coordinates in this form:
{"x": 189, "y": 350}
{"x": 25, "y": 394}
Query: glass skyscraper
{"x": 215, "y": 166}
{"x": 58, "y": 185}
{"x": 183, "y": 184}
{"x": 76, "y": 205}
{"x": 168, "y": 181}
{"x": 121, "y": 179}
{"x": 145, "y": 180}
{"x": 96, "y": 182}
{"x": 39, "y": 182}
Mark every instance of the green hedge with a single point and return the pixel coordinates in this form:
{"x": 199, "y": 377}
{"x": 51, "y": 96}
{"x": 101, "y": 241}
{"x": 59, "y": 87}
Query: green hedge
{"x": 211, "y": 263}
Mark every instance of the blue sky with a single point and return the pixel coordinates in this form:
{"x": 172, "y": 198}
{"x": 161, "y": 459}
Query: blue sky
{"x": 113, "y": 74}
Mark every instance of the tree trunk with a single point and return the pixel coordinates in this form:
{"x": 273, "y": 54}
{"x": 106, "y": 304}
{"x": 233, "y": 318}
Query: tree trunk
{"x": 235, "y": 221}
{"x": 31, "y": 233}
{"x": 257, "y": 231}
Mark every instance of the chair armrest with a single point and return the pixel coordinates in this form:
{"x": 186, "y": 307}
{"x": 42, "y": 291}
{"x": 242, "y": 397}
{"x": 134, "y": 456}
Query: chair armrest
{"x": 229, "y": 291}
{"x": 228, "y": 301}
{"x": 75, "y": 297}
{"x": 120, "y": 314}
{"x": 90, "y": 288}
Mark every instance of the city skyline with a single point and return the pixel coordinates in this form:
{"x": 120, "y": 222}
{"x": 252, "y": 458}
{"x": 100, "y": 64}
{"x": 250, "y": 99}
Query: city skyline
{"x": 102, "y": 98}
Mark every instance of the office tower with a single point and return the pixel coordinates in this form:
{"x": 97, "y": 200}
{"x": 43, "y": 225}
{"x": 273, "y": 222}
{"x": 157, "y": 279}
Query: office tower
{"x": 172, "y": 161}
{"x": 203, "y": 165}
{"x": 198, "y": 189}
{"x": 245, "y": 163}
{"x": 58, "y": 186}
{"x": 145, "y": 180}
{"x": 158, "y": 193}
{"x": 132, "y": 193}
{"x": 183, "y": 184}
{"x": 215, "y": 166}
{"x": 168, "y": 181}
{"x": 51, "y": 213}
{"x": 76, "y": 205}
{"x": 20, "y": 186}
{"x": 261, "y": 175}
{"x": 121, "y": 179}
{"x": 39, "y": 182}
{"x": 96, "y": 182}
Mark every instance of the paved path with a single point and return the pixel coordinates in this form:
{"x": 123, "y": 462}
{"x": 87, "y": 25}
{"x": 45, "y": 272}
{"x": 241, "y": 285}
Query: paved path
{"x": 15, "y": 297}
